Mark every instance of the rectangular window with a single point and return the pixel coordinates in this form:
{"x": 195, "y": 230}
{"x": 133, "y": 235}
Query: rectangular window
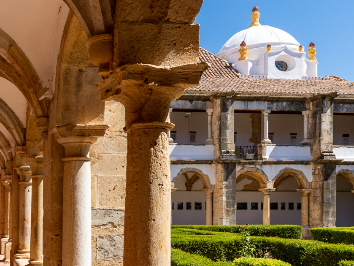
{"x": 173, "y": 205}
{"x": 274, "y": 205}
{"x": 271, "y": 136}
{"x": 345, "y": 139}
{"x": 180, "y": 206}
{"x": 291, "y": 205}
{"x": 174, "y": 135}
{"x": 298, "y": 206}
{"x": 254, "y": 205}
{"x": 261, "y": 205}
{"x": 242, "y": 205}
{"x": 235, "y": 138}
{"x": 198, "y": 206}
{"x": 293, "y": 137}
{"x": 192, "y": 136}
{"x": 188, "y": 205}
{"x": 282, "y": 206}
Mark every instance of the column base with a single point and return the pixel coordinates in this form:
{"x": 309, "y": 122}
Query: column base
{"x": 34, "y": 262}
{"x": 306, "y": 232}
{"x": 209, "y": 142}
{"x": 8, "y": 246}
{"x": 3, "y": 245}
{"x": 22, "y": 254}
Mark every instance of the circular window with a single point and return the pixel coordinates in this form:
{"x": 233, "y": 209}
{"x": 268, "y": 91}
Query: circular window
{"x": 281, "y": 65}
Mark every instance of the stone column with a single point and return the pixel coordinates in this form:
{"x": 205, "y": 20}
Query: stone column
{"x": 77, "y": 140}
{"x": 5, "y": 214}
{"x": 265, "y": 114}
{"x": 8, "y": 244}
{"x": 306, "y": 140}
{"x": 305, "y": 193}
{"x": 209, "y": 206}
{"x": 210, "y": 140}
{"x": 36, "y": 256}
{"x": 266, "y": 204}
{"x": 2, "y": 206}
{"x": 25, "y": 213}
{"x": 170, "y": 140}
{"x": 227, "y": 128}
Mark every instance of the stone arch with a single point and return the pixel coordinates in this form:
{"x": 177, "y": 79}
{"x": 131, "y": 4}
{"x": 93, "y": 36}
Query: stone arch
{"x": 2, "y": 162}
{"x": 299, "y": 176}
{"x": 203, "y": 177}
{"x": 347, "y": 175}
{"x": 17, "y": 68}
{"x": 255, "y": 173}
{"x": 12, "y": 123}
{"x": 5, "y": 147}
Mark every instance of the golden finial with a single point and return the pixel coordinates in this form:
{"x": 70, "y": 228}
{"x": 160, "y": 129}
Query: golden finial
{"x": 301, "y": 48}
{"x": 243, "y": 51}
{"x": 312, "y": 52}
{"x": 269, "y": 47}
{"x": 255, "y": 17}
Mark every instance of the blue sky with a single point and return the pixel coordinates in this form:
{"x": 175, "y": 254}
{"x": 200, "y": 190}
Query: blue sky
{"x": 327, "y": 23}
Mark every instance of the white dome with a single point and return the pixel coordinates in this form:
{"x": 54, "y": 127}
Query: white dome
{"x": 258, "y": 37}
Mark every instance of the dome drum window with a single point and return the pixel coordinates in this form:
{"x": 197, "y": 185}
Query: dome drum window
{"x": 281, "y": 65}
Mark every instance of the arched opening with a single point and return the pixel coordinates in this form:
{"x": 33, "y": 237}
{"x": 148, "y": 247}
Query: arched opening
{"x": 189, "y": 198}
{"x": 249, "y": 200}
{"x": 285, "y": 201}
{"x": 345, "y": 198}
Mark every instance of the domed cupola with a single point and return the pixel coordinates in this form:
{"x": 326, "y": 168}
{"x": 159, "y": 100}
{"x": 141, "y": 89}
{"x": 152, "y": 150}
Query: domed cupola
{"x": 267, "y": 51}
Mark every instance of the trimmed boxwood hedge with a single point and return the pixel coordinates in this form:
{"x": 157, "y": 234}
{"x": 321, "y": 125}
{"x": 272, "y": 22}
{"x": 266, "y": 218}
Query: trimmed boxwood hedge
{"x": 334, "y": 235}
{"x": 346, "y": 263}
{"x": 259, "y": 262}
{"x": 224, "y": 247}
{"x": 283, "y": 231}
{"x": 181, "y": 258}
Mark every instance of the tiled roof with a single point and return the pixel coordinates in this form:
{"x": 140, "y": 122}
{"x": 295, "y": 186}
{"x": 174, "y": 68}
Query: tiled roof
{"x": 222, "y": 78}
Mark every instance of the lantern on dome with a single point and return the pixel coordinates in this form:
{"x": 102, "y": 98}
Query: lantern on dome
{"x": 269, "y": 47}
{"x": 301, "y": 48}
{"x": 243, "y": 51}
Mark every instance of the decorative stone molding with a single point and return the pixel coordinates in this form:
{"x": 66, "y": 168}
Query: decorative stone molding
{"x": 255, "y": 173}
{"x": 299, "y": 175}
{"x": 203, "y": 177}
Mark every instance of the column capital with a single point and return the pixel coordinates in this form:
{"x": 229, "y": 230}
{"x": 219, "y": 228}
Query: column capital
{"x": 266, "y": 112}
{"x": 267, "y": 190}
{"x": 307, "y": 112}
{"x": 208, "y": 191}
{"x": 305, "y": 191}
{"x": 77, "y": 139}
{"x": 210, "y": 111}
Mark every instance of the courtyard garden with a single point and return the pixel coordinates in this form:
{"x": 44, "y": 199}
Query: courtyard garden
{"x": 277, "y": 245}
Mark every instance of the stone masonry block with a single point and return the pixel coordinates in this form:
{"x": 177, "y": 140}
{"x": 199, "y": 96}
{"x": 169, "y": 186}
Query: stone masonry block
{"x": 104, "y": 217}
{"x": 111, "y": 191}
{"x": 109, "y": 164}
{"x": 110, "y": 247}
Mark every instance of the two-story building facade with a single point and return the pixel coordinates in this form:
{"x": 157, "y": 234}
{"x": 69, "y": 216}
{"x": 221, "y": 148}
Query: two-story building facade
{"x": 263, "y": 139}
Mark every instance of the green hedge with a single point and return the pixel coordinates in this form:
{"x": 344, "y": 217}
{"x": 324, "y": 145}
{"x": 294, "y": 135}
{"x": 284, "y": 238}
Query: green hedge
{"x": 334, "y": 235}
{"x": 181, "y": 258}
{"x": 225, "y": 247}
{"x": 283, "y": 231}
{"x": 346, "y": 263}
{"x": 259, "y": 262}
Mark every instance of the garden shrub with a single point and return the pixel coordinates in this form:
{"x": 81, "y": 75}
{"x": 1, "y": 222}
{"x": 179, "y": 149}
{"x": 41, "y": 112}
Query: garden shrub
{"x": 334, "y": 235}
{"x": 283, "y": 231}
{"x": 259, "y": 262}
{"x": 226, "y": 247}
{"x": 346, "y": 263}
{"x": 181, "y": 258}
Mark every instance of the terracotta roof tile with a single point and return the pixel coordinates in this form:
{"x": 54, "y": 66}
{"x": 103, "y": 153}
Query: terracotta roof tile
{"x": 221, "y": 77}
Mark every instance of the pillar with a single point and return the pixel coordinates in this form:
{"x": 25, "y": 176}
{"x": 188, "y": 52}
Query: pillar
{"x": 227, "y": 128}
{"x": 8, "y": 180}
{"x": 265, "y": 114}
{"x": 266, "y": 204}
{"x": 77, "y": 140}
{"x": 306, "y": 140}
{"x": 210, "y": 140}
{"x": 209, "y": 206}
{"x": 305, "y": 193}
{"x": 5, "y": 215}
{"x": 148, "y": 216}
{"x": 2, "y": 206}
{"x": 170, "y": 140}
{"x": 36, "y": 255}
{"x": 25, "y": 198}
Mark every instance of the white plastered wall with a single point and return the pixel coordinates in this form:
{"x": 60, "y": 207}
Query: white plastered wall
{"x": 343, "y": 124}
{"x": 243, "y": 127}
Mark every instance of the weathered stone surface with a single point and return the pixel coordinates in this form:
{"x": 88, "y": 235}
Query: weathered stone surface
{"x": 110, "y": 247}
{"x": 104, "y": 217}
